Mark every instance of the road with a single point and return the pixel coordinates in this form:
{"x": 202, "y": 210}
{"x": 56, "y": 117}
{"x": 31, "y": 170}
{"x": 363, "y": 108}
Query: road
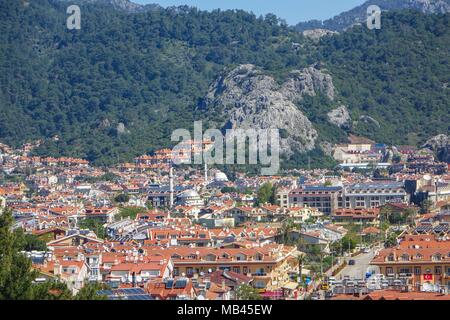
{"x": 358, "y": 271}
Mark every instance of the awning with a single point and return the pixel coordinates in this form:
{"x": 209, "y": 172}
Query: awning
{"x": 290, "y": 286}
{"x": 272, "y": 294}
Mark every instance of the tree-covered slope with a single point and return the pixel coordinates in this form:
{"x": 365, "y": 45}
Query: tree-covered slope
{"x": 399, "y": 76}
{"x": 358, "y": 15}
{"x": 120, "y": 85}
{"x": 147, "y": 71}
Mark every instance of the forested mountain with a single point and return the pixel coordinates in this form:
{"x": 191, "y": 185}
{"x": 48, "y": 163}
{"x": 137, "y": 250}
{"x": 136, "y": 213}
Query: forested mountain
{"x": 120, "y": 85}
{"x": 358, "y": 14}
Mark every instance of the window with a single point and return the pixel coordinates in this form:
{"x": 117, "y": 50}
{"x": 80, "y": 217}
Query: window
{"x": 245, "y": 270}
{"x": 437, "y": 257}
{"x": 240, "y": 257}
{"x": 210, "y": 257}
{"x": 389, "y": 271}
{"x": 405, "y": 270}
{"x": 360, "y": 202}
{"x": 405, "y": 257}
{"x": 417, "y": 271}
{"x": 390, "y": 257}
{"x": 437, "y": 270}
{"x": 237, "y": 269}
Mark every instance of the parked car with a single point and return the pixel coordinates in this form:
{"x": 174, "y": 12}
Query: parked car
{"x": 351, "y": 262}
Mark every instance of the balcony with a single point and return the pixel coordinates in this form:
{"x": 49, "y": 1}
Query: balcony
{"x": 259, "y": 275}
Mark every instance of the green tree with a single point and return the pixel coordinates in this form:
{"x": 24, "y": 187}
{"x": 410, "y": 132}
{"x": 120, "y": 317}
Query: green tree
{"x": 51, "y": 290}
{"x": 16, "y": 275}
{"x": 425, "y": 206}
{"x": 122, "y": 198}
{"x": 266, "y": 194}
{"x": 247, "y": 292}
{"x": 89, "y": 292}
{"x": 131, "y": 212}
{"x": 94, "y": 225}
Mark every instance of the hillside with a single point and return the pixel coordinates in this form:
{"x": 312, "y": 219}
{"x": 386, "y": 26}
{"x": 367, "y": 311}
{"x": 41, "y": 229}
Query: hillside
{"x": 120, "y": 85}
{"x": 358, "y": 14}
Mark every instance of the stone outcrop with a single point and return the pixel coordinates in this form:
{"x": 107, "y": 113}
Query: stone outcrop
{"x": 317, "y": 34}
{"x": 248, "y": 98}
{"x": 340, "y": 117}
{"x": 441, "y": 145}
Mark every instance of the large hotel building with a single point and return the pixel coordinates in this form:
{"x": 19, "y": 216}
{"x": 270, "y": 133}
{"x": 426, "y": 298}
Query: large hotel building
{"x": 355, "y": 196}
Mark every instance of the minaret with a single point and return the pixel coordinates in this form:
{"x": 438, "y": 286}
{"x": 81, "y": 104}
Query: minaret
{"x": 171, "y": 186}
{"x": 206, "y": 173}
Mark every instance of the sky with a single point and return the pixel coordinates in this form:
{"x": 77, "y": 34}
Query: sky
{"x": 293, "y": 11}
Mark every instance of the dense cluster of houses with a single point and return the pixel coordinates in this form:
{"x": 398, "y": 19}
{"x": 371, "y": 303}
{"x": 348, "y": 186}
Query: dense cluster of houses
{"x": 199, "y": 235}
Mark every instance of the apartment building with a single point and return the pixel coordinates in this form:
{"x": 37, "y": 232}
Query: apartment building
{"x": 424, "y": 260}
{"x": 269, "y": 266}
{"x": 323, "y": 198}
{"x": 365, "y": 216}
{"x": 372, "y": 195}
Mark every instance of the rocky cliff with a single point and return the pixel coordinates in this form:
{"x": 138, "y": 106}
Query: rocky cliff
{"x": 248, "y": 98}
{"x": 441, "y": 145}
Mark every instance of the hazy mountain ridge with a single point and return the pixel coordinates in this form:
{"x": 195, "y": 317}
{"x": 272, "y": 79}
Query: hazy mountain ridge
{"x": 358, "y": 14}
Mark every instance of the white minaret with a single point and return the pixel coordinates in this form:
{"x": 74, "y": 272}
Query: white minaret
{"x": 206, "y": 173}
{"x": 171, "y": 186}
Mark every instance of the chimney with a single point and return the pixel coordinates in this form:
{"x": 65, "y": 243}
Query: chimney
{"x": 223, "y": 285}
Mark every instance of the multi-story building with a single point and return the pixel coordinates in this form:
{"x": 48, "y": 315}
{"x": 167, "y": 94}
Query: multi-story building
{"x": 423, "y": 260}
{"x": 323, "y": 198}
{"x": 282, "y": 197}
{"x": 371, "y": 195}
{"x": 365, "y": 216}
{"x": 269, "y": 265}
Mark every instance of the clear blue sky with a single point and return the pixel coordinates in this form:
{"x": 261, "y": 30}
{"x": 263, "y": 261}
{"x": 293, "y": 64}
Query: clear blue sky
{"x": 293, "y": 11}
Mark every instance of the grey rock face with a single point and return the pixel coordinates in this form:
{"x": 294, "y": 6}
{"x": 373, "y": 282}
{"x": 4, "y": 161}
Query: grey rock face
{"x": 308, "y": 81}
{"x": 249, "y": 98}
{"x": 316, "y": 34}
{"x": 340, "y": 117}
{"x": 441, "y": 145}
{"x": 327, "y": 148}
{"x": 121, "y": 128}
{"x": 437, "y": 142}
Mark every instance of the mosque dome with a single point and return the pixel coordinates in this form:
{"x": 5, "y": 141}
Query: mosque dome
{"x": 220, "y": 177}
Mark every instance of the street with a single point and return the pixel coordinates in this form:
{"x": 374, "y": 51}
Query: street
{"x": 359, "y": 269}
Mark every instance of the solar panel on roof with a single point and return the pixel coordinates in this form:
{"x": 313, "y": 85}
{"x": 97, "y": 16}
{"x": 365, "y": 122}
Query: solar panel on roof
{"x": 179, "y": 284}
{"x": 131, "y": 291}
{"x": 169, "y": 284}
{"x": 104, "y": 292}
